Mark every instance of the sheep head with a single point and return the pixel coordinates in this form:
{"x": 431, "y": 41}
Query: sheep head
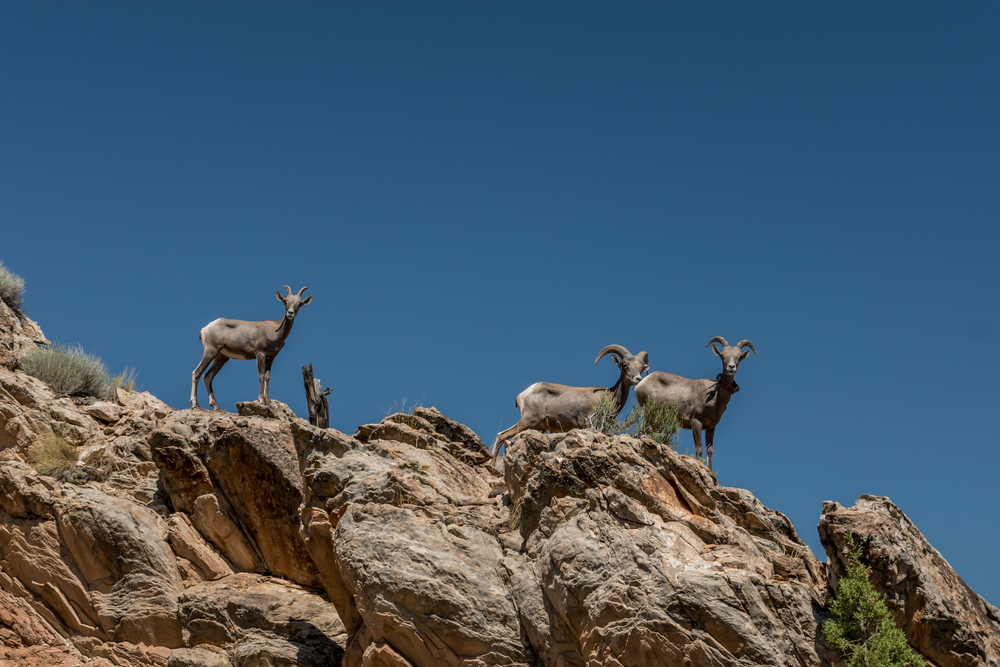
{"x": 631, "y": 365}
{"x": 293, "y": 301}
{"x": 731, "y": 355}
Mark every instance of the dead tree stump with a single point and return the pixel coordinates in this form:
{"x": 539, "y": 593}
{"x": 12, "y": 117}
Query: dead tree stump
{"x": 319, "y": 407}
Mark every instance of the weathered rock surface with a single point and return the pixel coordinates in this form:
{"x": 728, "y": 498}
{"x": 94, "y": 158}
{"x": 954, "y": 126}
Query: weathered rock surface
{"x": 261, "y": 619}
{"x": 18, "y": 335}
{"x": 942, "y": 617}
{"x": 209, "y": 539}
{"x": 238, "y": 480}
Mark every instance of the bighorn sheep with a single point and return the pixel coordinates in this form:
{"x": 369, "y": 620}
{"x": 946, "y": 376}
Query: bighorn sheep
{"x": 235, "y": 339}
{"x": 700, "y": 404}
{"x": 559, "y": 408}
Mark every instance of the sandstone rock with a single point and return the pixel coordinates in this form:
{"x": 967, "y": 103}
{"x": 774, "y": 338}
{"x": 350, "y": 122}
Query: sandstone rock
{"x": 18, "y": 335}
{"x": 340, "y": 470}
{"x": 273, "y": 410}
{"x": 198, "y": 657}
{"x": 106, "y": 412}
{"x": 257, "y": 619}
{"x": 430, "y": 590}
{"x": 615, "y": 532}
{"x": 942, "y": 617}
{"x": 188, "y": 543}
{"x": 87, "y": 562}
{"x": 238, "y": 480}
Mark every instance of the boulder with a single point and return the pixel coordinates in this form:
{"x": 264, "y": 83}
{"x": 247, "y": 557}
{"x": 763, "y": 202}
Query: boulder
{"x": 106, "y": 412}
{"x": 237, "y": 479}
{"x": 256, "y": 618}
{"x": 942, "y": 617}
{"x": 18, "y": 335}
{"x": 87, "y": 562}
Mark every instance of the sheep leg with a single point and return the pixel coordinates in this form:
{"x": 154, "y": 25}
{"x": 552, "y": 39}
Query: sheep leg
{"x": 217, "y": 364}
{"x": 504, "y": 435}
{"x": 267, "y": 380}
{"x": 261, "y": 371}
{"x": 709, "y": 440}
{"x": 696, "y": 433}
{"x": 206, "y": 359}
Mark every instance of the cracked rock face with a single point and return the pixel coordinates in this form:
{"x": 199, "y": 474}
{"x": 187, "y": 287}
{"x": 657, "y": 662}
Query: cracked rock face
{"x": 208, "y": 539}
{"x": 607, "y": 550}
{"x": 943, "y": 618}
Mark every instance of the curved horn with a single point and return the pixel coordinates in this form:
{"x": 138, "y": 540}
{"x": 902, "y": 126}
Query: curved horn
{"x": 746, "y": 343}
{"x": 615, "y": 349}
{"x": 300, "y": 291}
{"x": 287, "y": 289}
{"x": 645, "y": 357}
{"x": 717, "y": 339}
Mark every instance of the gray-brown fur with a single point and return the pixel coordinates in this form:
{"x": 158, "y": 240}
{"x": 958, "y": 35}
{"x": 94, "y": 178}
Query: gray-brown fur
{"x": 699, "y": 404}
{"x": 559, "y": 408}
{"x": 236, "y": 339}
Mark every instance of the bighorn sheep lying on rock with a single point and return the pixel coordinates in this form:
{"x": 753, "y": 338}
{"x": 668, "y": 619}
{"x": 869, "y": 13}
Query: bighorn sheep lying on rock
{"x": 559, "y": 408}
{"x": 235, "y": 339}
{"x": 699, "y": 404}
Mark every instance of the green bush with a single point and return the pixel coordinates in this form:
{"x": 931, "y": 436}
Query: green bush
{"x": 11, "y": 288}
{"x": 68, "y": 370}
{"x": 863, "y": 633}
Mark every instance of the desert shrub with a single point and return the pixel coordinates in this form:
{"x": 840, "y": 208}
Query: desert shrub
{"x": 11, "y": 288}
{"x": 68, "y": 370}
{"x": 125, "y": 380}
{"x": 658, "y": 421}
{"x": 863, "y": 633}
{"x": 605, "y": 416}
{"x": 54, "y": 457}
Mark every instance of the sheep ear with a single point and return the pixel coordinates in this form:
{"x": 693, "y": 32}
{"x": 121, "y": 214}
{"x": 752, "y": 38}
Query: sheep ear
{"x": 718, "y": 353}
{"x": 645, "y": 369}
{"x": 308, "y": 299}
{"x": 746, "y": 353}
{"x": 280, "y": 298}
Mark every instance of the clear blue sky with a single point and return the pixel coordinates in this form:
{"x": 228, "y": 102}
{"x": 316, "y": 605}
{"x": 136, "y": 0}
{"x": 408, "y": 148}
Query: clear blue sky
{"x": 483, "y": 195}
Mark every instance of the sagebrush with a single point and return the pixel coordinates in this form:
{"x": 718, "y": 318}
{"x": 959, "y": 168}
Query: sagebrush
{"x": 863, "y": 634}
{"x": 52, "y": 456}
{"x": 68, "y": 370}
{"x": 657, "y": 420}
{"x": 11, "y": 288}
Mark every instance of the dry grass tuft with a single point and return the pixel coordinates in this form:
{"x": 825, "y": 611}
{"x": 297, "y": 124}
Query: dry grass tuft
{"x": 11, "y": 288}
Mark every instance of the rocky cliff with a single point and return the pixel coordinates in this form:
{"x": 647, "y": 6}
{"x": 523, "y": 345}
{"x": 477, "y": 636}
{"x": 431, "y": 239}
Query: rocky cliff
{"x": 196, "y": 538}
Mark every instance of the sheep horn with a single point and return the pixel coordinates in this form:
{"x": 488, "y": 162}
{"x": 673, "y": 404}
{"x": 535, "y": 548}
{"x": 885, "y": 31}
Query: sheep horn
{"x": 300, "y": 291}
{"x": 718, "y": 339}
{"x": 614, "y": 349}
{"x": 287, "y": 289}
{"x": 746, "y": 343}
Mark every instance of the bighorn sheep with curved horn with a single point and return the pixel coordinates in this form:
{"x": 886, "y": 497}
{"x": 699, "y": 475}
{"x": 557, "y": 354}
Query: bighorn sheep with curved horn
{"x": 236, "y": 339}
{"x": 559, "y": 408}
{"x": 699, "y": 404}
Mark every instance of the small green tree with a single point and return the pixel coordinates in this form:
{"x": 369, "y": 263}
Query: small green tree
{"x": 863, "y": 633}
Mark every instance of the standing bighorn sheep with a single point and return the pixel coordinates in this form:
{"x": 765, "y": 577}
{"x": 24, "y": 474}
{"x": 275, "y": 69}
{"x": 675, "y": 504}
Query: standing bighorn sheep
{"x": 699, "y": 403}
{"x": 235, "y": 339}
{"x": 559, "y": 408}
